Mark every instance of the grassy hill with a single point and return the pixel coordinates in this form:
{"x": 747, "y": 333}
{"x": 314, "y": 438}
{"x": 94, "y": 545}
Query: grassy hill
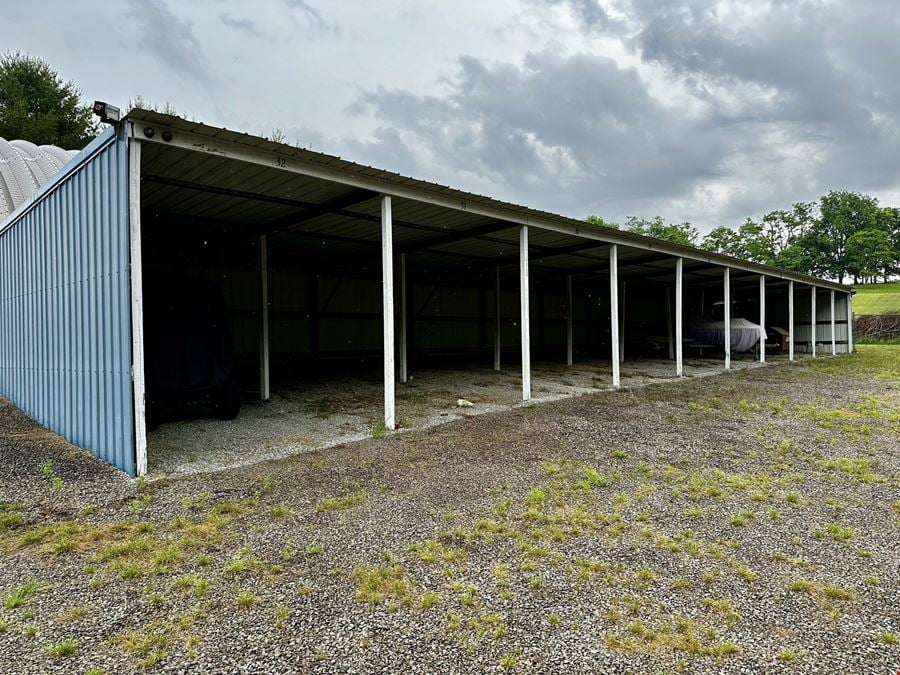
{"x": 876, "y": 298}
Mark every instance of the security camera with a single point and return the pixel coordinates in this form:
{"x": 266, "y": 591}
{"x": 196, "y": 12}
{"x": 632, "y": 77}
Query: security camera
{"x": 107, "y": 113}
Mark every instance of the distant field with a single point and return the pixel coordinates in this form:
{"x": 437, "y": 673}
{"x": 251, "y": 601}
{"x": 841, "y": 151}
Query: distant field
{"x": 876, "y": 299}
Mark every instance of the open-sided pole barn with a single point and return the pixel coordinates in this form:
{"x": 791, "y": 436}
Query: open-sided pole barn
{"x": 320, "y": 260}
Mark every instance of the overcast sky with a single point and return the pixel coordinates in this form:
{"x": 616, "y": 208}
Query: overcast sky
{"x": 702, "y": 111}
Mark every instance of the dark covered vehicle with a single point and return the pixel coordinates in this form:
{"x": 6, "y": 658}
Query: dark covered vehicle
{"x": 189, "y": 352}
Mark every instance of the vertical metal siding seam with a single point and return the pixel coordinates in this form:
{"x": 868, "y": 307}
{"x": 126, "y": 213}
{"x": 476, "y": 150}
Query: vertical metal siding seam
{"x": 64, "y": 308}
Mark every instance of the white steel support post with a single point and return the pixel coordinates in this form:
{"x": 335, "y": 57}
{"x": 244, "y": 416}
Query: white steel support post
{"x": 727, "y": 283}
{"x": 264, "y": 319}
{"x": 849, "y": 323}
{"x": 404, "y": 374}
{"x": 137, "y": 307}
{"x": 523, "y": 293}
{"x": 679, "y": 343}
{"x": 387, "y": 293}
{"x": 614, "y": 313}
{"x": 762, "y": 318}
{"x": 622, "y": 325}
{"x": 812, "y": 333}
{"x": 497, "y": 322}
{"x": 568, "y": 319}
{"x": 833, "y": 341}
{"x": 669, "y": 323}
{"x": 791, "y": 333}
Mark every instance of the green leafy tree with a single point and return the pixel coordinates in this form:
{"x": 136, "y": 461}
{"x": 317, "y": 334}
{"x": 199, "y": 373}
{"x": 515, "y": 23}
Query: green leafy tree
{"x": 677, "y": 233}
{"x": 599, "y": 222}
{"x": 869, "y": 254}
{"x": 724, "y": 240}
{"x": 842, "y": 214}
{"x": 38, "y": 106}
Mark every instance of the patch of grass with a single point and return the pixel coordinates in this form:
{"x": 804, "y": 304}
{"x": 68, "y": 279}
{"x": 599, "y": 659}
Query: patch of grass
{"x": 792, "y": 498}
{"x": 65, "y": 648}
{"x": 742, "y": 519}
{"x": 801, "y": 586}
{"x": 246, "y": 599}
{"x": 280, "y": 511}
{"x": 377, "y": 585}
{"x": 835, "y": 531}
{"x": 618, "y": 454}
{"x": 429, "y": 599}
{"x": 876, "y": 298}
{"x": 510, "y": 659}
{"x": 788, "y": 655}
{"x": 887, "y": 637}
{"x": 855, "y": 467}
{"x": 314, "y": 549}
{"x": 73, "y": 614}
{"x": 745, "y": 573}
{"x": 243, "y": 563}
{"x": 19, "y": 596}
{"x": 341, "y": 502}
{"x": 379, "y": 429}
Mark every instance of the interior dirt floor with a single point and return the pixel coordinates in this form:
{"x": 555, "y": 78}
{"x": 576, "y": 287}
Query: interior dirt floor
{"x": 321, "y": 413}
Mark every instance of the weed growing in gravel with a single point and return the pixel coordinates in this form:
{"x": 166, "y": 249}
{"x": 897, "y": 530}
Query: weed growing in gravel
{"x": 314, "y": 549}
{"x": 148, "y": 645}
{"x": 65, "y": 648}
{"x": 341, "y": 502}
{"x": 196, "y": 584}
{"x": 379, "y": 429}
{"x": 723, "y": 608}
{"x": 887, "y": 637}
{"x": 792, "y": 498}
{"x": 281, "y": 615}
{"x": 511, "y": 659}
{"x": 30, "y": 631}
{"x": 54, "y": 480}
{"x": 245, "y": 599}
{"x": 280, "y": 511}
{"x": 834, "y": 531}
{"x": 73, "y": 614}
{"x": 855, "y": 467}
{"x": 243, "y": 563}
{"x": 9, "y": 516}
{"x": 19, "y": 596}
{"x": 742, "y": 519}
{"x": 4, "y": 625}
{"x": 745, "y": 573}
{"x": 788, "y": 655}
{"x": 429, "y": 599}
{"x": 384, "y": 584}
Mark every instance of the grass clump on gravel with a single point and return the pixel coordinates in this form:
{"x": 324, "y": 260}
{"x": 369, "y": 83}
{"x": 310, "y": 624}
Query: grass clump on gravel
{"x": 19, "y": 596}
{"x": 387, "y": 584}
{"x": 341, "y": 502}
{"x": 66, "y": 647}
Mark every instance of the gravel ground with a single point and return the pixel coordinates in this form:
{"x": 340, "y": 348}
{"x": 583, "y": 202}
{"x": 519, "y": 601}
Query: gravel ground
{"x": 746, "y": 522}
{"x": 325, "y": 412}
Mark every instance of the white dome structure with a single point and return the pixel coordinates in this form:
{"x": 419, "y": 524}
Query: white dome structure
{"x": 25, "y": 167}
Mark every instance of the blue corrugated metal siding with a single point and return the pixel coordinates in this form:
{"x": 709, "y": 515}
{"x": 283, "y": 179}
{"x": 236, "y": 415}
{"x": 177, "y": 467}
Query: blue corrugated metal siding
{"x": 65, "y": 343}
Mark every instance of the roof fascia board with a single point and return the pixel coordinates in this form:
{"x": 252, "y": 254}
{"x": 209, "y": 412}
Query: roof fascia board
{"x": 240, "y": 151}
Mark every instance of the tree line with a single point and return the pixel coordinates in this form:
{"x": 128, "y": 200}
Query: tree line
{"x": 844, "y": 235}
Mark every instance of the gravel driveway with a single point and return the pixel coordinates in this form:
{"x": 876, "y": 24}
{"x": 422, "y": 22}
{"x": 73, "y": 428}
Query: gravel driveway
{"x": 746, "y": 522}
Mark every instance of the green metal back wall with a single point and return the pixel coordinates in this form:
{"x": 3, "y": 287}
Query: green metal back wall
{"x": 65, "y": 343}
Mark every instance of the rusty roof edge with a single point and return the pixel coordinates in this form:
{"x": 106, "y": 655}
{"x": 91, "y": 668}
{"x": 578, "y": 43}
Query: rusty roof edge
{"x": 523, "y": 214}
